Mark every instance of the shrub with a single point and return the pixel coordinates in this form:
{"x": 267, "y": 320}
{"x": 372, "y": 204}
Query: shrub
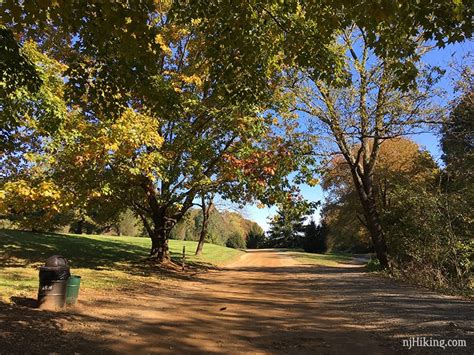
{"x": 235, "y": 241}
{"x": 424, "y": 242}
{"x": 255, "y": 240}
{"x": 373, "y": 265}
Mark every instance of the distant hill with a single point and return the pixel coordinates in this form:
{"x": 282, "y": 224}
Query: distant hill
{"x": 222, "y": 225}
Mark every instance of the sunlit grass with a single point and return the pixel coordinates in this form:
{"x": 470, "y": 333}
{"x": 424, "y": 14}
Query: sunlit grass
{"x": 329, "y": 259}
{"x": 103, "y": 262}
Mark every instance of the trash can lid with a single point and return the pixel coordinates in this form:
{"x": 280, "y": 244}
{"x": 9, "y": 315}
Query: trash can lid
{"x": 56, "y": 260}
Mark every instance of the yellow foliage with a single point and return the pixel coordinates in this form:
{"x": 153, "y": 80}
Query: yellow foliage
{"x": 192, "y": 79}
{"x": 159, "y": 39}
{"x": 23, "y": 197}
{"x": 130, "y": 144}
{"x": 313, "y": 182}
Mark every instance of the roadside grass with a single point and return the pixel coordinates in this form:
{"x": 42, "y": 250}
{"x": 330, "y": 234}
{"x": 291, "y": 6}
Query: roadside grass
{"x": 103, "y": 262}
{"x": 329, "y": 259}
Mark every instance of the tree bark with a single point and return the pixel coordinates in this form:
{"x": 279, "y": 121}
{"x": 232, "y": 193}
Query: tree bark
{"x": 372, "y": 218}
{"x": 160, "y": 230}
{"x": 206, "y": 210}
{"x": 79, "y": 227}
{"x": 376, "y": 232}
{"x": 159, "y": 246}
{"x": 162, "y": 219}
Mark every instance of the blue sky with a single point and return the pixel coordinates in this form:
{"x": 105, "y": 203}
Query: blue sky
{"x": 440, "y": 57}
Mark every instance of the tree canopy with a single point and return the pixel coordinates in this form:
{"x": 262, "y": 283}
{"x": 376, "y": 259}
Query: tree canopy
{"x": 147, "y": 105}
{"x": 152, "y": 121}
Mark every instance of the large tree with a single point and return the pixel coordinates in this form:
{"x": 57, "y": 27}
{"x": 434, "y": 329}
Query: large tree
{"x": 287, "y": 226}
{"x": 155, "y": 116}
{"x": 173, "y": 130}
{"x": 401, "y": 162}
{"x": 359, "y": 109}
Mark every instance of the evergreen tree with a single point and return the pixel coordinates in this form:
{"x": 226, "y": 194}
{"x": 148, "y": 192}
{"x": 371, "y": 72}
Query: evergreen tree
{"x": 255, "y": 239}
{"x": 315, "y": 238}
{"x": 287, "y": 226}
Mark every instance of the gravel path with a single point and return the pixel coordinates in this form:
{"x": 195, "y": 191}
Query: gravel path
{"x": 266, "y": 302}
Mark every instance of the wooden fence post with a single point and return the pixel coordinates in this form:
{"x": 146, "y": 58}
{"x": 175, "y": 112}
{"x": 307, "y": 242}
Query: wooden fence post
{"x": 183, "y": 260}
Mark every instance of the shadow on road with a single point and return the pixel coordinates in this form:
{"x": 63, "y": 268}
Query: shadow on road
{"x": 290, "y": 309}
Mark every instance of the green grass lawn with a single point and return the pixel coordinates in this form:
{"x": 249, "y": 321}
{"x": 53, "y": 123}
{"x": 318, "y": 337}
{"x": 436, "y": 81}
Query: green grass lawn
{"x": 329, "y": 259}
{"x": 104, "y": 262}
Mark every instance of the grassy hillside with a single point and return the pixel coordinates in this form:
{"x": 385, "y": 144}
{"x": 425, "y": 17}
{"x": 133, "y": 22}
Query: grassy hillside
{"x": 103, "y": 261}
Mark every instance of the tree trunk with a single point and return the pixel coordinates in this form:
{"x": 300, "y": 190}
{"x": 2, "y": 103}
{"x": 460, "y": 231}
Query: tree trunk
{"x": 159, "y": 238}
{"x": 202, "y": 237}
{"x": 372, "y": 218}
{"x": 79, "y": 227}
{"x": 159, "y": 246}
{"x": 205, "y": 221}
{"x": 374, "y": 227}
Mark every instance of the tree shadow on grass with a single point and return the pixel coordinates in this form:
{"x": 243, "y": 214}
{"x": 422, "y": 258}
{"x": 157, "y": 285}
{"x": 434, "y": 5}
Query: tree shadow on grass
{"x": 81, "y": 251}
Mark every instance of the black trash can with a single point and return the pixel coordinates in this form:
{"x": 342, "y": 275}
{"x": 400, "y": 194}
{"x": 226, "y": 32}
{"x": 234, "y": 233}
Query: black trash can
{"x": 53, "y": 279}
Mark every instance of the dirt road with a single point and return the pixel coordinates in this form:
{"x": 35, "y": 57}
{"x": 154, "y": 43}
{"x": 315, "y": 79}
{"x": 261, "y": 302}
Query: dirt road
{"x": 264, "y": 303}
